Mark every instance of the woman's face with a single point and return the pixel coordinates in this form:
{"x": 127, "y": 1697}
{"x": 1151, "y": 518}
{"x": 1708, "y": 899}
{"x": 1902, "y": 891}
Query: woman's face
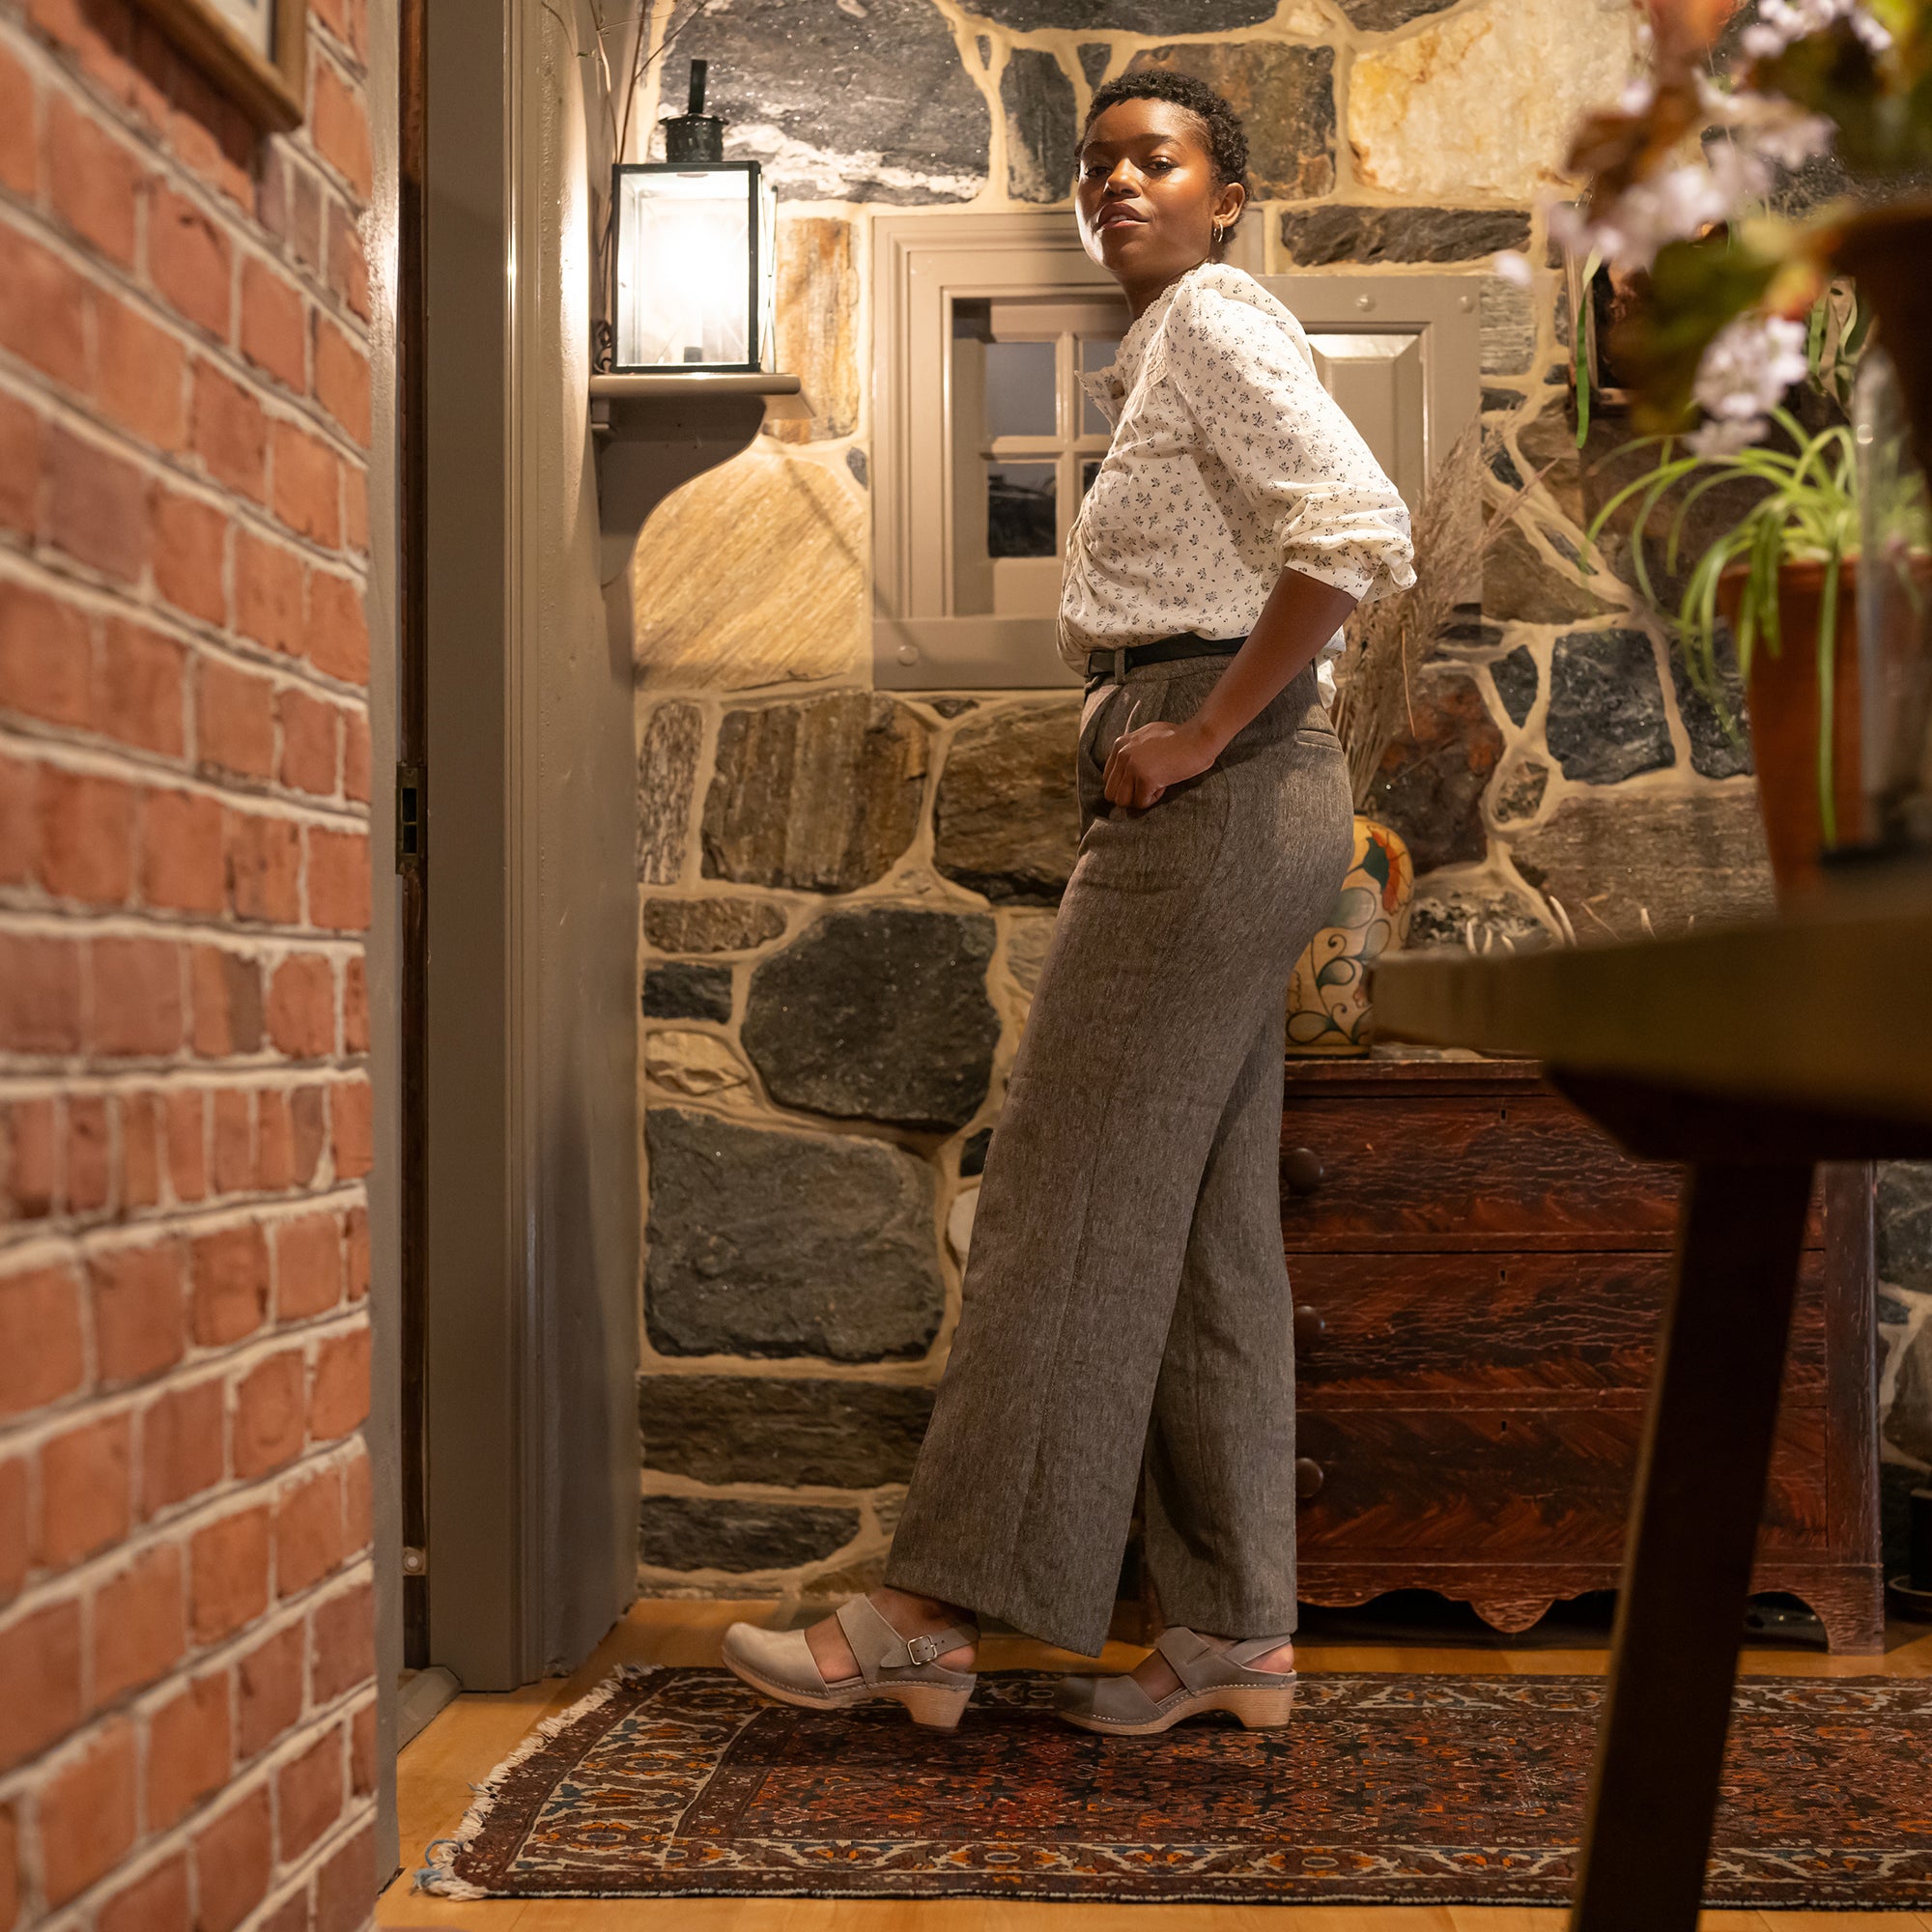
{"x": 1148, "y": 199}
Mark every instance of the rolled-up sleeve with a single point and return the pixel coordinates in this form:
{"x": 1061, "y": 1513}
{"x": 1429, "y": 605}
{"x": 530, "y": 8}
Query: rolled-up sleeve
{"x": 1251, "y": 386}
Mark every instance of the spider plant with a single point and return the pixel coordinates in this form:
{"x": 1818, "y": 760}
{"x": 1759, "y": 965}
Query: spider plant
{"x": 1806, "y": 512}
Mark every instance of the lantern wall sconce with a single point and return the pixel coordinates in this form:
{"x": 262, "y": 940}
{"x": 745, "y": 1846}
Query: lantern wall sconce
{"x": 692, "y": 272}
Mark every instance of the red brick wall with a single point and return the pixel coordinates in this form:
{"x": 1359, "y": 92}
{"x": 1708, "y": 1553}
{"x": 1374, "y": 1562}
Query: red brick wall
{"x": 187, "y": 1695}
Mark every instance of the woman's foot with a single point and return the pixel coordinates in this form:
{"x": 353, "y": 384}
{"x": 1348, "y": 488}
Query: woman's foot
{"x": 911, "y": 1616}
{"x": 1156, "y": 1676}
{"x": 1186, "y": 1675}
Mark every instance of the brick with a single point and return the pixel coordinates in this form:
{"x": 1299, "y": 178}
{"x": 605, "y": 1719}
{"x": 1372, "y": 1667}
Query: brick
{"x": 232, "y": 1142}
{"x": 14, "y": 1527}
{"x": 189, "y": 261}
{"x": 342, "y": 379}
{"x": 140, "y": 1152}
{"x": 211, "y": 136}
{"x": 265, "y": 868}
{"x": 227, "y": 1002}
{"x": 339, "y": 126}
{"x": 10, "y": 1867}
{"x": 230, "y": 1270}
{"x": 342, "y": 1650}
{"x": 46, "y": 661}
{"x": 354, "y": 1006}
{"x": 344, "y": 19}
{"x": 228, "y": 1564}
{"x": 32, "y": 1152}
{"x": 348, "y": 259}
{"x": 42, "y": 1357}
{"x": 337, "y": 638}
{"x": 274, "y": 1142}
{"x": 270, "y": 1405}
{"x": 89, "y": 1156}
{"x": 92, "y": 179}
{"x": 87, "y": 1814}
{"x": 339, "y": 1399}
{"x": 20, "y": 822}
{"x": 139, "y": 1310}
{"x": 235, "y": 721}
{"x": 43, "y": 309}
{"x": 308, "y": 496}
{"x": 308, "y": 1267}
{"x": 137, "y": 996}
{"x": 273, "y": 334}
{"x": 187, "y": 1143}
{"x": 97, "y": 504}
{"x": 141, "y": 687}
{"x": 19, "y": 468}
{"x": 339, "y": 881}
{"x": 86, "y": 1492}
{"x": 181, "y": 1451}
{"x": 288, "y": 204}
{"x": 155, "y": 1902}
{"x": 308, "y": 728}
{"x": 308, "y": 1795}
{"x": 346, "y": 1888}
{"x": 301, "y": 1007}
{"x": 189, "y": 1750}
{"x": 138, "y": 1632}
{"x": 291, "y": 1915}
{"x": 362, "y": 1751}
{"x": 269, "y": 1692}
{"x": 86, "y": 837}
{"x": 231, "y": 1860}
{"x": 349, "y": 1106}
{"x": 356, "y": 755}
{"x": 40, "y": 1665}
{"x": 268, "y": 593}
{"x": 19, "y": 171}
{"x": 308, "y": 1532}
{"x": 182, "y": 866}
{"x": 40, "y": 994}
{"x": 308, "y": 1123}
{"x": 140, "y": 375}
{"x": 190, "y": 543}
{"x": 358, "y": 1504}
{"x": 229, "y": 432}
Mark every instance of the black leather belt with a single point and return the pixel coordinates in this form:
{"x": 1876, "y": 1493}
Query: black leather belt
{"x": 1103, "y": 665}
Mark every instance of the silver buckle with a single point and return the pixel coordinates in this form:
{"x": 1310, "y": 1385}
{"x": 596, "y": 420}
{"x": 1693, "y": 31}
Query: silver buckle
{"x": 922, "y": 1649}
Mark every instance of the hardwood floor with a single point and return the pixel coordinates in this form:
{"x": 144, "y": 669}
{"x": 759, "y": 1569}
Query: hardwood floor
{"x": 475, "y": 1733}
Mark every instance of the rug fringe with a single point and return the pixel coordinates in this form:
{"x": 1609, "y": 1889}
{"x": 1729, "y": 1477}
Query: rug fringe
{"x": 436, "y": 1874}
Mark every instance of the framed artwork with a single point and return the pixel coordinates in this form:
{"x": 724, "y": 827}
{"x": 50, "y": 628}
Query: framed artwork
{"x": 254, "y": 50}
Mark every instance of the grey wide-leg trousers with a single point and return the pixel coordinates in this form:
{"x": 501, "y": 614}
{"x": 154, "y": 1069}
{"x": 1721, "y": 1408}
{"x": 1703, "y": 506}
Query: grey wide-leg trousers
{"x": 1127, "y": 1293}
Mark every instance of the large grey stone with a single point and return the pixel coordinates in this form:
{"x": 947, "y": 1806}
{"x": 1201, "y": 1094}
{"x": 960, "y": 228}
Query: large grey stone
{"x": 1606, "y": 721}
{"x": 1519, "y": 793}
{"x": 1430, "y": 784}
{"x": 1675, "y": 854}
{"x": 762, "y": 1242}
{"x": 842, "y": 99}
{"x": 1715, "y": 753}
{"x": 667, "y": 775}
{"x": 711, "y": 925}
{"x": 1905, "y": 1225}
{"x": 1094, "y": 59}
{"x": 1342, "y": 232}
{"x": 1038, "y": 100}
{"x": 1286, "y": 98}
{"x": 747, "y": 1428}
{"x": 1379, "y": 16}
{"x": 1515, "y": 679}
{"x": 878, "y": 1013}
{"x": 820, "y": 794}
{"x": 1007, "y": 822}
{"x": 1507, "y": 318}
{"x": 688, "y": 992}
{"x": 1520, "y": 584}
{"x": 1125, "y": 16}
{"x": 725, "y": 1533}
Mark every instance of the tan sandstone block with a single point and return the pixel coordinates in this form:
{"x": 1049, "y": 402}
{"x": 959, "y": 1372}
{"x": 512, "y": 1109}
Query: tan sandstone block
{"x": 688, "y": 1062}
{"x": 817, "y": 326}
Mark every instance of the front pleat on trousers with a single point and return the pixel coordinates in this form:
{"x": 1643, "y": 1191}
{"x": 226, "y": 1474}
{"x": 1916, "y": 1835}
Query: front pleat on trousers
{"x": 1126, "y": 1292}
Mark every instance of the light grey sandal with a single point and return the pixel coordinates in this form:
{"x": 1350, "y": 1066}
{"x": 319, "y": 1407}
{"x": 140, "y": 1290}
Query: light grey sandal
{"x": 781, "y": 1664}
{"x": 1210, "y": 1680}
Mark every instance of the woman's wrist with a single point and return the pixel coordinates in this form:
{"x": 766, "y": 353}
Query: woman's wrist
{"x": 1207, "y": 732}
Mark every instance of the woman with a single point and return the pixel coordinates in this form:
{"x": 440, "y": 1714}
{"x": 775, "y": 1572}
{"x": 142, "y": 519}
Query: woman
{"x": 1126, "y": 1294}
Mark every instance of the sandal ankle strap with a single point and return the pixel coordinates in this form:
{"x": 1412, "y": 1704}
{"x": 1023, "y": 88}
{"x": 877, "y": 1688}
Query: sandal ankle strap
{"x": 878, "y": 1646}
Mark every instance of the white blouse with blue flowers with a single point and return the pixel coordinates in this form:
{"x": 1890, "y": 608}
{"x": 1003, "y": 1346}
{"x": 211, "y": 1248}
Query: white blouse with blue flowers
{"x": 1229, "y": 463}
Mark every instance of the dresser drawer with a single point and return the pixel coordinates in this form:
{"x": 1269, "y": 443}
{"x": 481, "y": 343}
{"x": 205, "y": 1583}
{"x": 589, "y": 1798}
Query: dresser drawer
{"x": 1487, "y": 1327}
{"x": 1477, "y": 1485}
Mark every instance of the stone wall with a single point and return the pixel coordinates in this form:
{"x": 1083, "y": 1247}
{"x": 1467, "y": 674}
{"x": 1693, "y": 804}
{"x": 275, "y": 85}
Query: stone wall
{"x": 847, "y": 894}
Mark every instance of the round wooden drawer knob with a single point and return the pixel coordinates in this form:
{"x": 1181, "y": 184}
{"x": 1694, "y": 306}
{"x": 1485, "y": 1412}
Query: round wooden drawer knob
{"x": 1309, "y": 1476}
{"x": 1301, "y": 1169}
{"x": 1309, "y": 1326}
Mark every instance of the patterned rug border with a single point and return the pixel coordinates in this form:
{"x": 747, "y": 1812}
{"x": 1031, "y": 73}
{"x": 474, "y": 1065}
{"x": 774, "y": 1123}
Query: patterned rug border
{"x": 438, "y": 1876}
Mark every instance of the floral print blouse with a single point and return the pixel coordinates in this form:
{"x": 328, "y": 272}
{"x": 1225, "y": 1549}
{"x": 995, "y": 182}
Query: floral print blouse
{"x": 1230, "y": 462}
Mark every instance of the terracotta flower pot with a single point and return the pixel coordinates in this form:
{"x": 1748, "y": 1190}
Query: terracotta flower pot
{"x": 1328, "y": 1009}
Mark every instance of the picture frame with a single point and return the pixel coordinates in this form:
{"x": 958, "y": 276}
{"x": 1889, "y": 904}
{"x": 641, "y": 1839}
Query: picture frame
{"x": 256, "y": 51}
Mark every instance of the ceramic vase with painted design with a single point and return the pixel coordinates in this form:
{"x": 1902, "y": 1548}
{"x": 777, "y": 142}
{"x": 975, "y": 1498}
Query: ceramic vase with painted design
{"x": 1328, "y": 1009}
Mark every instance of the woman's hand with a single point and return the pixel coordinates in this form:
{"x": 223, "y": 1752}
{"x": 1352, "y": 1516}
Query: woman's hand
{"x": 1143, "y": 764}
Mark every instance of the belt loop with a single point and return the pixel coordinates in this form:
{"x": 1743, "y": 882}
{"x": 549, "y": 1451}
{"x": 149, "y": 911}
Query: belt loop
{"x": 1120, "y": 666}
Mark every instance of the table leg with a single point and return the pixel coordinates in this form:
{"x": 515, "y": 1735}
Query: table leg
{"x": 1694, "y": 1512}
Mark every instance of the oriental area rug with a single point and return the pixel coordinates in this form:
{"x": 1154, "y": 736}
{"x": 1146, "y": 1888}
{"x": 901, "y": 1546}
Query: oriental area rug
{"x": 1385, "y": 1790}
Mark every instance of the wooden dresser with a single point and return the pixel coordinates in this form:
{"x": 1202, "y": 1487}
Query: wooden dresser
{"x": 1478, "y": 1275}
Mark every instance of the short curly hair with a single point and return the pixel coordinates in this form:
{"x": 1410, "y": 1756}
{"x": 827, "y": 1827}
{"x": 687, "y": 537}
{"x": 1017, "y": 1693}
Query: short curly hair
{"x": 1225, "y": 138}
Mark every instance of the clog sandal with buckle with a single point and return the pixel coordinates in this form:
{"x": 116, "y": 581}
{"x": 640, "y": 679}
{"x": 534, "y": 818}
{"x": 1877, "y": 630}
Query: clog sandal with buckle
{"x": 781, "y": 1664}
{"x": 1210, "y": 1680}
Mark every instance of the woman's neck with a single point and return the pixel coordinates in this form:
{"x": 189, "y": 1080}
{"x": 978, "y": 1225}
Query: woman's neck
{"x": 1142, "y": 296}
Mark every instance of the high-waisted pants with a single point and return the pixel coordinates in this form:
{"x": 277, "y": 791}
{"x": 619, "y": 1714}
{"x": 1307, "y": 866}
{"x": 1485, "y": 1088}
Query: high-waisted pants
{"x": 1127, "y": 1299}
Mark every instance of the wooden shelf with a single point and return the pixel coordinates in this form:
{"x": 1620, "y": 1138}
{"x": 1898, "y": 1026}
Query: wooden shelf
{"x": 699, "y": 383}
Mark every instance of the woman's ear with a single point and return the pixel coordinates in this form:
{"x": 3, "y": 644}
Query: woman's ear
{"x": 1233, "y": 199}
